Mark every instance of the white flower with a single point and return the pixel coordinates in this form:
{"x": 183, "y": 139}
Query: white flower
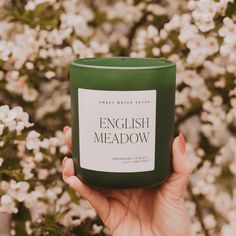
{"x": 229, "y": 49}
{"x": 97, "y": 229}
{"x": 18, "y": 190}
{"x": 43, "y": 53}
{"x": 196, "y": 58}
{"x": 78, "y": 22}
{"x": 12, "y": 232}
{"x": 7, "y": 204}
{"x": 151, "y": 31}
{"x": 27, "y": 168}
{"x": 4, "y": 110}
{"x": 45, "y": 143}
{"x": 211, "y": 46}
{"x": 166, "y": 48}
{"x": 28, "y": 227}
{"x": 155, "y": 51}
{"x": 43, "y": 173}
{"x": 50, "y": 74}
{"x": 19, "y": 127}
{"x": 14, "y": 119}
{"x": 98, "y": 47}
{"x": 4, "y": 185}
{"x": 228, "y": 29}
{"x": 14, "y": 86}
{"x": 30, "y": 6}
{"x": 209, "y": 221}
{"x": 32, "y": 140}
{"x": 78, "y": 46}
{"x": 13, "y": 75}
{"x": 197, "y": 46}
{"x": 187, "y": 33}
{"x": 204, "y": 13}
{"x": 197, "y": 43}
{"x": 124, "y": 11}
{"x": 5, "y": 50}
{"x": 64, "y": 199}
{"x": 29, "y": 94}
{"x": 22, "y": 116}
{"x": 192, "y": 5}
{"x": 51, "y": 195}
{"x": 29, "y": 65}
{"x": 173, "y": 24}
{"x": 214, "y": 70}
{"x": 55, "y": 37}
{"x": 163, "y": 34}
{"x": 230, "y": 228}
{"x": 156, "y": 9}
{"x": 206, "y": 25}
{"x": 38, "y": 157}
{"x": 64, "y": 149}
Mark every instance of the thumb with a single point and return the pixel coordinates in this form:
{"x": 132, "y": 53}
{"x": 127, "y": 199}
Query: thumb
{"x": 176, "y": 184}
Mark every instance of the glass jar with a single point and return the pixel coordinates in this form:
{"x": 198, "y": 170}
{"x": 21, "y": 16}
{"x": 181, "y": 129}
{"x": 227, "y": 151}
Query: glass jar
{"x": 122, "y": 120}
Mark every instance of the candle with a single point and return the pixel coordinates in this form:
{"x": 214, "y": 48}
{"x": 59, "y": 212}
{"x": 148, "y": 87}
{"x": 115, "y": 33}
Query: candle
{"x": 122, "y": 120}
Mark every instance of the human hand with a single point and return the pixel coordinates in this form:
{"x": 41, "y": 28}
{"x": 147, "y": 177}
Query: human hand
{"x": 157, "y": 211}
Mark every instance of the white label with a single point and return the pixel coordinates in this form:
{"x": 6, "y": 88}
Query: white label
{"x": 117, "y": 130}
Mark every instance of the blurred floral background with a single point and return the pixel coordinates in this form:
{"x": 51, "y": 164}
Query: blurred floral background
{"x": 38, "y": 40}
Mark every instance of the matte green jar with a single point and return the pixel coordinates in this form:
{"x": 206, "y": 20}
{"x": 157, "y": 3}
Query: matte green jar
{"x": 122, "y": 120}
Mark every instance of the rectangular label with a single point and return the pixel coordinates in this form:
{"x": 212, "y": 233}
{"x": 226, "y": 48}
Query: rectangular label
{"x": 117, "y": 130}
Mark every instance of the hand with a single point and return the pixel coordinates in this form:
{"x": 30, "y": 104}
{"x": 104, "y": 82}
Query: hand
{"x": 158, "y": 211}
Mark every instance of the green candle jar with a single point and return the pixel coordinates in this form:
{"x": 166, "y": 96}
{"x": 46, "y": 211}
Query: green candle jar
{"x": 122, "y": 120}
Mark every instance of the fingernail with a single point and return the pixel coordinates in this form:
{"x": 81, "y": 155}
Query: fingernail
{"x": 63, "y": 162}
{"x": 65, "y": 129}
{"x": 182, "y": 144}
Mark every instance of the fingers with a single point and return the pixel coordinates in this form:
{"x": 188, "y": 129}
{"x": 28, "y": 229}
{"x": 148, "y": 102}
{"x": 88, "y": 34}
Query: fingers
{"x": 176, "y": 184}
{"x": 96, "y": 199}
{"x": 181, "y": 164}
{"x": 67, "y": 168}
{"x": 63, "y": 162}
{"x": 67, "y": 134}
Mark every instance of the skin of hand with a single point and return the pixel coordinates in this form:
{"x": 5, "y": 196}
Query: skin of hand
{"x": 157, "y": 211}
